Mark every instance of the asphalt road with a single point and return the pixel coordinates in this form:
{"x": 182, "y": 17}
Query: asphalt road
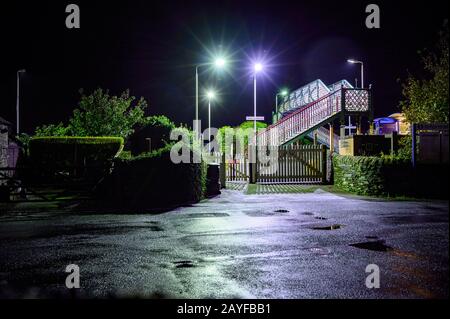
{"x": 233, "y": 246}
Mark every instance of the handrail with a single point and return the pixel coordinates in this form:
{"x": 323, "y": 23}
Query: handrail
{"x": 302, "y": 119}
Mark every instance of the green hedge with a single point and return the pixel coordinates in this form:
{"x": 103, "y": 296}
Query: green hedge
{"x": 152, "y": 181}
{"x": 74, "y": 151}
{"x": 364, "y": 175}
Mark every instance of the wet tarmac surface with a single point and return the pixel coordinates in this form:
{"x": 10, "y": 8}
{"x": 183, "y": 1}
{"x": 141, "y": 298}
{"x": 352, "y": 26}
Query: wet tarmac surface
{"x": 314, "y": 245}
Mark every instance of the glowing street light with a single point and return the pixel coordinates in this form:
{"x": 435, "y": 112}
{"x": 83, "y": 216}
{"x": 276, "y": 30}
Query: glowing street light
{"x": 258, "y": 67}
{"x": 219, "y": 63}
{"x": 211, "y": 95}
{"x": 362, "y": 69}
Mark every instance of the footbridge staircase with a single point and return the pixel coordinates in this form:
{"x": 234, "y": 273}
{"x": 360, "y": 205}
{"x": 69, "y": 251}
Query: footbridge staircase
{"x": 306, "y": 112}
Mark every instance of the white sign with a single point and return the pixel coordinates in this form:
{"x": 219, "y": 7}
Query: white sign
{"x": 254, "y": 118}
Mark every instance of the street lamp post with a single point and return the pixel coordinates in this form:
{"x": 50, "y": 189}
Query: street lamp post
{"x": 18, "y": 100}
{"x": 196, "y": 128}
{"x": 210, "y": 95}
{"x": 257, "y": 68}
{"x": 218, "y": 63}
{"x": 282, "y": 93}
{"x": 362, "y": 69}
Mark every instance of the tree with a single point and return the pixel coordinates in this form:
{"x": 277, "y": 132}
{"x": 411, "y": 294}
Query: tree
{"x": 52, "y": 130}
{"x": 240, "y": 134}
{"x": 426, "y": 99}
{"x": 100, "y": 114}
{"x": 157, "y": 128}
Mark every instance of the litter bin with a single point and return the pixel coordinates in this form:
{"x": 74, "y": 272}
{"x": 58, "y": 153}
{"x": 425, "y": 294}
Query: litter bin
{"x": 213, "y": 180}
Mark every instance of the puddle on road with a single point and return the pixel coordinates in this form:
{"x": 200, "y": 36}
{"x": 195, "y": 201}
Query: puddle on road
{"x": 281, "y": 211}
{"x": 331, "y": 227}
{"x": 184, "y": 264}
{"x": 308, "y": 214}
{"x": 258, "y": 213}
{"x": 378, "y": 245}
{"x": 320, "y": 218}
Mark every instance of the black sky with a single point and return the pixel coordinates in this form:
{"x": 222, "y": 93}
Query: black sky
{"x": 151, "y": 48}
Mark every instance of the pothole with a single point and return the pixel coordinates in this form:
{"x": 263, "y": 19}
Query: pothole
{"x": 281, "y": 211}
{"x": 307, "y": 214}
{"x": 155, "y": 228}
{"x": 184, "y": 264}
{"x": 331, "y": 227}
{"x": 320, "y": 218}
{"x": 378, "y": 245}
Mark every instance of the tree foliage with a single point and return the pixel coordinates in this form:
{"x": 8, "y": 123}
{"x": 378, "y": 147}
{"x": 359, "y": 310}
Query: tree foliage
{"x": 52, "y": 130}
{"x": 101, "y": 114}
{"x": 426, "y": 98}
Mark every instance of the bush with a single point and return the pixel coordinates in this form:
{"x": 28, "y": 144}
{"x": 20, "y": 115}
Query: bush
{"x": 66, "y": 151}
{"x": 157, "y": 128}
{"x": 151, "y": 181}
{"x": 389, "y": 176}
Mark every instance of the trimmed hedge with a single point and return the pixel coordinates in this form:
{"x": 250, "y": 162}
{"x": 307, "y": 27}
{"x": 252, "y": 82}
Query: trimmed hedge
{"x": 62, "y": 151}
{"x": 152, "y": 181}
{"x": 381, "y": 176}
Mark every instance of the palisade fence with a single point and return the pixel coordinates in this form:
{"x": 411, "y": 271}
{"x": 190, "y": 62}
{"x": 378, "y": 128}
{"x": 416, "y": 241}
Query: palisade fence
{"x": 278, "y": 165}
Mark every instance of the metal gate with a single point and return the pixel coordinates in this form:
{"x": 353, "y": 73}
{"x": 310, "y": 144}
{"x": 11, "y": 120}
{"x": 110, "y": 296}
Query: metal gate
{"x": 283, "y": 164}
{"x": 293, "y": 164}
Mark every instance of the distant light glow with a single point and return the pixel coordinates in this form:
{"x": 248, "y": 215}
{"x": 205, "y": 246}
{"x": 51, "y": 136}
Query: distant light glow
{"x": 284, "y": 92}
{"x": 353, "y": 61}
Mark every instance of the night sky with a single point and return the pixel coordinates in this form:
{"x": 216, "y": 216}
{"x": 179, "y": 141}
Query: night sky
{"x": 151, "y": 48}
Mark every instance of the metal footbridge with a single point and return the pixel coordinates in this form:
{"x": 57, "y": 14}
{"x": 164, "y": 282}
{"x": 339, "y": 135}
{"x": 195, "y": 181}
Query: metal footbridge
{"x": 313, "y": 106}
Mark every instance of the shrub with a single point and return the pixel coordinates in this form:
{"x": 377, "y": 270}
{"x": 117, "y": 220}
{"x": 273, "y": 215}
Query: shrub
{"x": 389, "y": 176}
{"x": 74, "y": 151}
{"x": 152, "y": 181}
{"x": 157, "y": 128}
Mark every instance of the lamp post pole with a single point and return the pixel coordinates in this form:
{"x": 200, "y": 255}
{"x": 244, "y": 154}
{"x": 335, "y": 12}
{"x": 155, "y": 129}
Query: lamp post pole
{"x": 196, "y": 129}
{"x": 218, "y": 63}
{"x": 18, "y": 102}
{"x": 362, "y": 70}
{"x": 282, "y": 93}
{"x": 362, "y": 75}
{"x": 254, "y": 105}
{"x": 209, "y": 125}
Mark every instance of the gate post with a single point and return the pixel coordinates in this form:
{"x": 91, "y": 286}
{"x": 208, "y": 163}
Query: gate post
{"x": 323, "y": 154}
{"x": 253, "y": 164}
{"x": 223, "y": 172}
{"x": 331, "y": 137}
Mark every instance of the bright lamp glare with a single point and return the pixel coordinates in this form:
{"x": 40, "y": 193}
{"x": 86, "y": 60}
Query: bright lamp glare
{"x": 210, "y": 95}
{"x": 352, "y": 61}
{"x": 220, "y": 62}
{"x": 258, "y": 67}
{"x": 284, "y": 92}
